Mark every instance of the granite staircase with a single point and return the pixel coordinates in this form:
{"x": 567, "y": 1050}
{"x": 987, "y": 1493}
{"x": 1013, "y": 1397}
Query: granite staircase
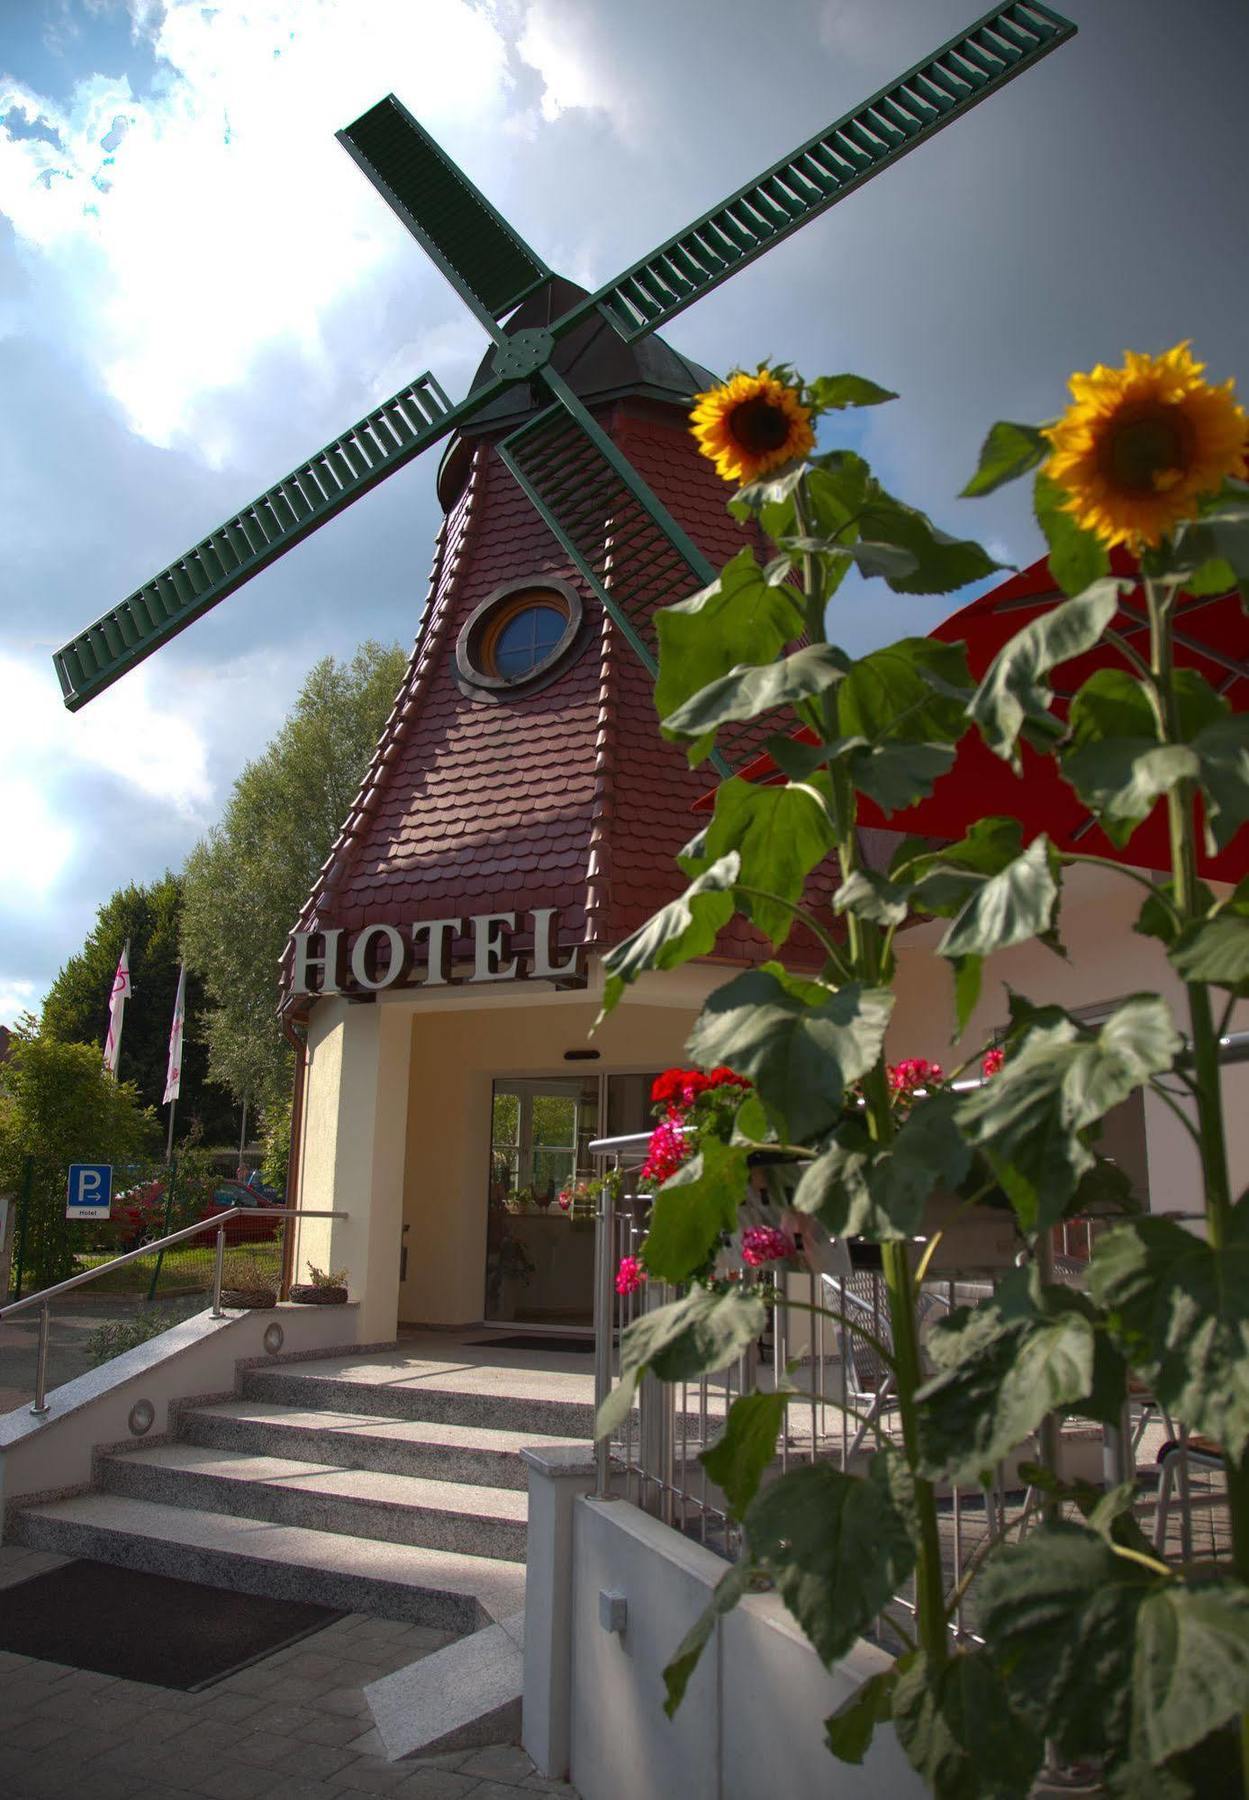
{"x": 389, "y": 1486}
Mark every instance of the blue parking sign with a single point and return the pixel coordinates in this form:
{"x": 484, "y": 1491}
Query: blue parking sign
{"x": 90, "y": 1191}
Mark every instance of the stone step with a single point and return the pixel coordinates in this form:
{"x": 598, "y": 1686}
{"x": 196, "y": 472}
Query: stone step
{"x": 425, "y": 1586}
{"x": 514, "y": 1400}
{"x": 427, "y": 1447}
{"x": 325, "y": 1498}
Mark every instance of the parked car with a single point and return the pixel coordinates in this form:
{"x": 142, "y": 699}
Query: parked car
{"x": 139, "y": 1213}
{"x": 258, "y": 1224}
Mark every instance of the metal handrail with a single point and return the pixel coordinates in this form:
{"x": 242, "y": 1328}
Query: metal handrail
{"x": 219, "y": 1221}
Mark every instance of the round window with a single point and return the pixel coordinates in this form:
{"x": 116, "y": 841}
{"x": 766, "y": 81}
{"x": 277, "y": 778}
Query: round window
{"x": 519, "y": 634}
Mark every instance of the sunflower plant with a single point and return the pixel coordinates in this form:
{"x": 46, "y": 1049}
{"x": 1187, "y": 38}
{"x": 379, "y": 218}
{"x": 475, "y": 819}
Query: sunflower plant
{"x": 1090, "y": 1641}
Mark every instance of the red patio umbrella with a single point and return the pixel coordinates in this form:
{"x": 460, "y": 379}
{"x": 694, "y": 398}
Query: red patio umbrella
{"x": 1210, "y": 636}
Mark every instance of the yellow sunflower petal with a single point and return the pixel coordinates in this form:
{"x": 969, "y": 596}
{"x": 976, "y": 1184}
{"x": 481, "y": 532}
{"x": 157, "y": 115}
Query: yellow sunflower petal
{"x": 1140, "y": 445}
{"x": 750, "y": 425}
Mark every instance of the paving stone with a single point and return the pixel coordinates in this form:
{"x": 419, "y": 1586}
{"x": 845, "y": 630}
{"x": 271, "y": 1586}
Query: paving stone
{"x": 313, "y": 1761}
{"x": 331, "y": 1731}
{"x": 540, "y": 1784}
{"x": 436, "y": 1784}
{"x": 263, "y": 1749}
{"x": 349, "y": 1701}
{"x": 35, "y": 1731}
{"x": 289, "y": 1718}
{"x": 234, "y": 1781}
{"x": 222, "y": 1705}
{"x": 500, "y": 1762}
{"x": 371, "y": 1775}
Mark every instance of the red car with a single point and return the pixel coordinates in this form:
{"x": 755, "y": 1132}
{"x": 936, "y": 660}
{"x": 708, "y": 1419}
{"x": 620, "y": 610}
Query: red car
{"x": 139, "y": 1214}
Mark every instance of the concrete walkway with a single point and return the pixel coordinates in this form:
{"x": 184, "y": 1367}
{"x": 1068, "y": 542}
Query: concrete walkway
{"x": 295, "y": 1726}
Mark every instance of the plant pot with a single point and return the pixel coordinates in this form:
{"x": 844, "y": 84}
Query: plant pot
{"x": 248, "y": 1299}
{"x": 305, "y": 1294}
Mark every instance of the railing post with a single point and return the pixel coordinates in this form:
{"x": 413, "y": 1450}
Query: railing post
{"x": 604, "y": 1320}
{"x": 39, "y": 1405}
{"x": 219, "y": 1272}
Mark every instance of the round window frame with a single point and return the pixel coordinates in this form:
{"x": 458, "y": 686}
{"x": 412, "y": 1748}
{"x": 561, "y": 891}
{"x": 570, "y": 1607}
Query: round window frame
{"x": 500, "y": 606}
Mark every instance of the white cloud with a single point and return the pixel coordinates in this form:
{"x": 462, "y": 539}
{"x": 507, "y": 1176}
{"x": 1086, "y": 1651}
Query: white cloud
{"x": 18, "y": 996}
{"x": 195, "y": 227}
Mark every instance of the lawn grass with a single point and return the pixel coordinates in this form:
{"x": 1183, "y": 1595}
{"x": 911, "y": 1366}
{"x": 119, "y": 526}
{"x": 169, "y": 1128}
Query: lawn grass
{"x": 185, "y": 1269}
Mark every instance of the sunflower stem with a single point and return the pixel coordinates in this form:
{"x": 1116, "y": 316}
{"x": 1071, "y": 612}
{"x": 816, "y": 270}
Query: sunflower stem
{"x": 1211, "y": 1136}
{"x": 866, "y": 959}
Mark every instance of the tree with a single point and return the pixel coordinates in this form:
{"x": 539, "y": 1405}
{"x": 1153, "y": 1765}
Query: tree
{"x": 246, "y": 882}
{"x": 76, "y": 1009}
{"x": 58, "y": 1106}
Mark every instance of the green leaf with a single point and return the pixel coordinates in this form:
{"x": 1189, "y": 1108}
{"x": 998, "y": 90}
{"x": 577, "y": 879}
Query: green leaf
{"x": 796, "y": 761}
{"x": 859, "y": 1191}
{"x": 1213, "y": 551}
{"x": 1010, "y": 907}
{"x": 1058, "y": 1611}
{"x": 739, "y": 618}
{"x": 692, "y": 1208}
{"x": 896, "y": 776}
{"x": 872, "y": 896}
{"x": 728, "y": 1591}
{"x": 780, "y": 834}
{"x": 1032, "y": 1118}
{"x": 1004, "y": 1364}
{"x": 800, "y": 1051}
{"x": 1077, "y": 558}
{"x": 849, "y": 1731}
{"x": 913, "y": 691}
{"x": 1014, "y": 697}
{"x": 830, "y": 393}
{"x": 750, "y": 689}
{"x": 1114, "y": 760}
{"x": 1181, "y": 1312}
{"x": 1223, "y": 753}
{"x": 701, "y": 1332}
{"x": 1109, "y": 1658}
{"x": 942, "y": 563}
{"x": 1216, "y": 949}
{"x": 686, "y": 927}
{"x": 837, "y": 1544}
{"x": 1191, "y": 1668}
{"x": 968, "y": 974}
{"x": 738, "y": 1458}
{"x": 1008, "y": 452}
{"x": 960, "y": 1732}
{"x": 944, "y": 879}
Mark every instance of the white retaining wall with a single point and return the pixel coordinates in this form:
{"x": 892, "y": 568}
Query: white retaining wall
{"x": 751, "y": 1725}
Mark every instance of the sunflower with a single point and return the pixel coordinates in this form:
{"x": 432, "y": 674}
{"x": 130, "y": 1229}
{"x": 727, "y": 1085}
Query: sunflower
{"x": 1139, "y": 445}
{"x": 751, "y": 425}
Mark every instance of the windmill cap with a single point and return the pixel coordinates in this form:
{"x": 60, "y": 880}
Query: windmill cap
{"x": 593, "y": 359}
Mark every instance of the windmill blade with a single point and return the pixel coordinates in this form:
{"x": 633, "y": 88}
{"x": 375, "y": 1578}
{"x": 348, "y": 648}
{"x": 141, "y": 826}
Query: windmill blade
{"x": 826, "y": 168}
{"x": 489, "y": 265}
{"x": 383, "y": 441}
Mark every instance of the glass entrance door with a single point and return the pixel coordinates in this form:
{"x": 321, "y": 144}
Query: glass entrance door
{"x": 539, "y": 1240}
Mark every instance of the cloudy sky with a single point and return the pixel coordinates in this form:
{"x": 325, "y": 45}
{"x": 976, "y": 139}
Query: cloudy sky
{"x": 198, "y": 288}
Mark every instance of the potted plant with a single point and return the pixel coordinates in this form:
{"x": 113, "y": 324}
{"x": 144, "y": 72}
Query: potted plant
{"x": 324, "y": 1287}
{"x": 247, "y": 1284}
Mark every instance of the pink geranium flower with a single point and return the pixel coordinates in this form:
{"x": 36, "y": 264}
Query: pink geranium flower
{"x": 766, "y": 1243}
{"x": 630, "y": 1276}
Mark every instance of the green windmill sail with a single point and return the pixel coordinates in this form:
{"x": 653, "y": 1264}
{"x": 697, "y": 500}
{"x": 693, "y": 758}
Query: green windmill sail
{"x": 568, "y": 467}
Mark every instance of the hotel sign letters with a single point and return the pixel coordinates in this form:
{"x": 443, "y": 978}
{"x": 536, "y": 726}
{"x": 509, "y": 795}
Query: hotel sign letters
{"x": 384, "y": 956}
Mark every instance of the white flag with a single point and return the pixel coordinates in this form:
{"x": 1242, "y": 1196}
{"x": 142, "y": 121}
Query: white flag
{"x": 173, "y": 1076}
{"x": 116, "y": 1007}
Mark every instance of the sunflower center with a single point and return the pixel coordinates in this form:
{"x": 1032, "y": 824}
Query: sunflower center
{"x": 1145, "y": 446}
{"x": 759, "y": 425}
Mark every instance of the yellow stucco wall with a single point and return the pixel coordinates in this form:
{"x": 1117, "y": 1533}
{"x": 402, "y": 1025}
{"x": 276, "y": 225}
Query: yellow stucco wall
{"x": 455, "y": 1058}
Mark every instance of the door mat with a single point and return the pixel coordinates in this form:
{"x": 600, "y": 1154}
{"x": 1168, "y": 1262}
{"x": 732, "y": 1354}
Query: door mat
{"x": 153, "y": 1628}
{"x": 532, "y": 1341}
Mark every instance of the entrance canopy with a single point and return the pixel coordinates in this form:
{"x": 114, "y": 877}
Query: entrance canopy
{"x": 1209, "y": 637}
